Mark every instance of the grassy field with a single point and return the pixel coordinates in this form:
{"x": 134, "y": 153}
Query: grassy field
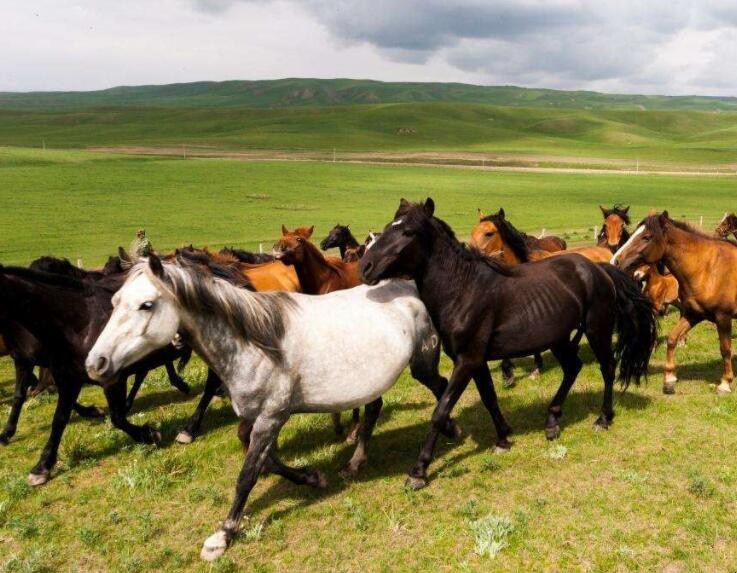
{"x": 654, "y": 493}
{"x": 585, "y": 138}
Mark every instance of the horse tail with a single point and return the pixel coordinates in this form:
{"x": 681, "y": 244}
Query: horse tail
{"x": 184, "y": 358}
{"x": 636, "y": 326}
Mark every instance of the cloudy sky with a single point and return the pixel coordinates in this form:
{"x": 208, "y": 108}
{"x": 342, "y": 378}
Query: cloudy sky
{"x": 625, "y": 46}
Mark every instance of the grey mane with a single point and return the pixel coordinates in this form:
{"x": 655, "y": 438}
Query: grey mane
{"x": 258, "y": 318}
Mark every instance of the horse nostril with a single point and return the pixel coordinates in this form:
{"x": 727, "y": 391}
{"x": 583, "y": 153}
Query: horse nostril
{"x": 101, "y": 364}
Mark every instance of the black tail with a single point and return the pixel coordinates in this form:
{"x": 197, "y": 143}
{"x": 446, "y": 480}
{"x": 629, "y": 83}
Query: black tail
{"x": 636, "y": 326}
{"x": 184, "y": 358}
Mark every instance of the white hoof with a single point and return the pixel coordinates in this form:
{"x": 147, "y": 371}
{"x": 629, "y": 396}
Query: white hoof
{"x": 184, "y": 438}
{"x": 671, "y": 378}
{"x": 37, "y": 479}
{"x": 724, "y": 388}
{"x": 214, "y": 546}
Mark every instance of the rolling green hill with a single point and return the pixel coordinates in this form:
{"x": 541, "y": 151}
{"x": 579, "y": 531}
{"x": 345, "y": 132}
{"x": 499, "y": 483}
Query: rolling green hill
{"x": 330, "y": 92}
{"x": 520, "y": 134}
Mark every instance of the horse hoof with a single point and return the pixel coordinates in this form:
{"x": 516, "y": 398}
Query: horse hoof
{"x": 96, "y": 412}
{"x": 38, "y": 479}
{"x": 724, "y": 389}
{"x": 552, "y": 433}
{"x": 509, "y": 382}
{"x": 601, "y": 425}
{"x": 452, "y": 430}
{"x": 4, "y": 440}
{"x": 415, "y": 483}
{"x": 669, "y": 388}
{"x": 214, "y": 546}
{"x": 502, "y": 446}
{"x": 348, "y": 472}
{"x": 318, "y": 480}
{"x": 535, "y": 374}
{"x": 184, "y": 437}
{"x": 154, "y": 437}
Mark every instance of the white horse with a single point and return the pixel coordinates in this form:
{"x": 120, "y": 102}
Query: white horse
{"x": 277, "y": 354}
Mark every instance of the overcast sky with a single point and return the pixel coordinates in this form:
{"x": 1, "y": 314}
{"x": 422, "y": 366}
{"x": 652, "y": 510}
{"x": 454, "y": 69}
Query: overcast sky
{"x": 638, "y": 46}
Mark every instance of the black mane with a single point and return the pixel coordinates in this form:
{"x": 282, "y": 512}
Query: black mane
{"x": 516, "y": 239}
{"x": 620, "y": 210}
{"x": 247, "y": 256}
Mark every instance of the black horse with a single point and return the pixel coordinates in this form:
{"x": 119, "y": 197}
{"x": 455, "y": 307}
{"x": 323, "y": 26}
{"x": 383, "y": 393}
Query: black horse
{"x": 65, "y": 315}
{"x": 339, "y": 237}
{"x": 484, "y": 310}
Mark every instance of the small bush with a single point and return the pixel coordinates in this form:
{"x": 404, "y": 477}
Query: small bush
{"x": 701, "y": 487}
{"x": 491, "y": 535}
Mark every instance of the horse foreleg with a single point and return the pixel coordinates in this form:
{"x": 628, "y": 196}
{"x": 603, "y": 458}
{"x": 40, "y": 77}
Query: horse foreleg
{"x": 188, "y": 434}
{"x": 459, "y": 380}
{"x": 427, "y": 374}
{"x": 355, "y": 427}
{"x": 69, "y": 389}
{"x": 24, "y": 380}
{"x": 175, "y": 379}
{"x": 300, "y": 476}
{"x": 485, "y": 386}
{"x": 138, "y": 380}
{"x": 115, "y": 395}
{"x": 371, "y": 414}
{"x": 535, "y": 374}
{"x": 678, "y": 332}
{"x": 263, "y": 438}
{"x": 567, "y": 355}
{"x": 724, "y": 327}
{"x": 507, "y": 373}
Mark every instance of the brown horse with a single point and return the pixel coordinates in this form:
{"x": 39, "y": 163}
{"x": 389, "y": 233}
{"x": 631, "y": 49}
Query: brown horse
{"x": 706, "y": 270}
{"x": 614, "y": 231}
{"x": 726, "y": 226}
{"x": 318, "y": 275}
{"x": 486, "y": 237}
{"x": 662, "y": 289}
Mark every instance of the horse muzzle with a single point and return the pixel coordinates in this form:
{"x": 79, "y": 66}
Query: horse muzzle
{"x": 99, "y": 367}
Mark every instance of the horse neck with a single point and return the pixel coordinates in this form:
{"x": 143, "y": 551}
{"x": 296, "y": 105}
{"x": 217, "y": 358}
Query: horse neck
{"x": 443, "y": 289}
{"x": 509, "y": 256}
{"x": 683, "y": 254}
{"x": 348, "y": 242}
{"x": 314, "y": 270}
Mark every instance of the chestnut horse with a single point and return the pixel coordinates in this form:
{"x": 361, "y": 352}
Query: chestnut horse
{"x": 614, "y": 232}
{"x": 727, "y": 225}
{"x": 318, "y": 275}
{"x": 485, "y": 236}
{"x": 662, "y": 289}
{"x": 706, "y": 270}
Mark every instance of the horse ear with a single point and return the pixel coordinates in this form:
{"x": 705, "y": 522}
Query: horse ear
{"x": 403, "y": 203}
{"x": 284, "y": 230}
{"x": 482, "y": 215}
{"x": 429, "y": 206}
{"x": 626, "y": 209}
{"x": 603, "y": 210}
{"x": 309, "y": 232}
{"x": 154, "y": 263}
{"x": 663, "y": 219}
{"x": 501, "y": 212}
{"x": 123, "y": 255}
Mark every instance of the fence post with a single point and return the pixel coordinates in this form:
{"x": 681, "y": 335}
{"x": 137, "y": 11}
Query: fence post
{"x": 596, "y": 232}
{"x": 542, "y": 234}
{"x": 79, "y": 262}
{"x": 701, "y": 222}
{"x": 333, "y": 154}
{"x": 261, "y": 248}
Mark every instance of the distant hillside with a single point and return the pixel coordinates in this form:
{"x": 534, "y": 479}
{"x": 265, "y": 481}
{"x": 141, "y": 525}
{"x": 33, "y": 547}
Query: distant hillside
{"x": 319, "y": 92}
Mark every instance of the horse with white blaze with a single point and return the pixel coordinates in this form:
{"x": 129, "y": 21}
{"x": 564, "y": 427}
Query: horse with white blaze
{"x": 277, "y": 354}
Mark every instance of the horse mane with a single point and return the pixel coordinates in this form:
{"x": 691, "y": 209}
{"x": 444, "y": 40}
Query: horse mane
{"x": 220, "y": 265}
{"x": 652, "y": 223}
{"x": 512, "y": 236}
{"x": 258, "y": 319}
{"x": 415, "y": 212}
{"x": 247, "y": 256}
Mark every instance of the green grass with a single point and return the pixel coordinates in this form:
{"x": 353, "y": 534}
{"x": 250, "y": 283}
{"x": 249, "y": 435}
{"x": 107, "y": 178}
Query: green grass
{"x": 524, "y": 136}
{"x": 314, "y": 92}
{"x": 656, "y": 491}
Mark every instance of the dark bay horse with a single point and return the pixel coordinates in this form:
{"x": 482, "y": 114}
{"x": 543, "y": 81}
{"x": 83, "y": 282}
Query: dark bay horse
{"x": 706, "y": 270}
{"x": 485, "y": 310}
{"x": 340, "y": 237}
{"x": 727, "y": 226}
{"x": 65, "y": 314}
{"x": 614, "y": 231}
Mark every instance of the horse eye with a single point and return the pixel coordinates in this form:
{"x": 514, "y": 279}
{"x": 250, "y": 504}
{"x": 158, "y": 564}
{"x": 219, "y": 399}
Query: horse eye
{"x": 148, "y": 305}
{"x": 490, "y": 234}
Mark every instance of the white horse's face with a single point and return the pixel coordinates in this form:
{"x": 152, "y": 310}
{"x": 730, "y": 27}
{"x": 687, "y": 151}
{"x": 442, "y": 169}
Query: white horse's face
{"x": 143, "y": 320}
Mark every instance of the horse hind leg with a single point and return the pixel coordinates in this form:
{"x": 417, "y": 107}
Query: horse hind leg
{"x": 355, "y": 432}
{"x": 175, "y": 379}
{"x": 535, "y": 374}
{"x": 358, "y": 460}
{"x": 194, "y": 424}
{"x": 508, "y": 380}
{"x": 679, "y": 332}
{"x": 601, "y": 346}
{"x": 567, "y": 354}
{"x": 24, "y": 380}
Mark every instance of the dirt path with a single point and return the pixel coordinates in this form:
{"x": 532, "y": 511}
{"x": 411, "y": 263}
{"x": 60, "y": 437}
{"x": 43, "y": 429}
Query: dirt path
{"x": 456, "y": 160}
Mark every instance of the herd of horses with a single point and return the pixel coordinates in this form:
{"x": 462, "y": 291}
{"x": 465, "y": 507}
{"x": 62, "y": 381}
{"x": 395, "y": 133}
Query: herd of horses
{"x": 393, "y": 301}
